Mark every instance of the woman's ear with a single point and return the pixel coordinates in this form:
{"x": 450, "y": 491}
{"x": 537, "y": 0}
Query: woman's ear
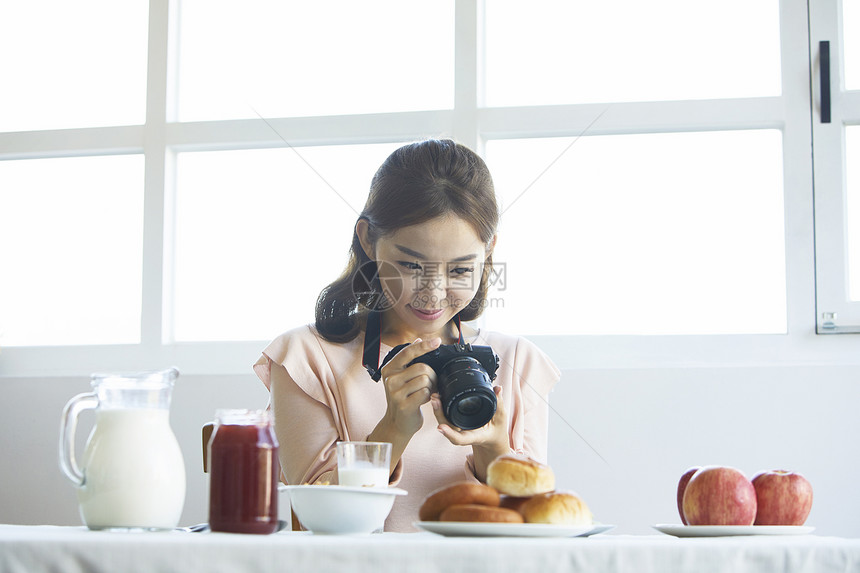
{"x": 491, "y": 245}
{"x": 362, "y": 231}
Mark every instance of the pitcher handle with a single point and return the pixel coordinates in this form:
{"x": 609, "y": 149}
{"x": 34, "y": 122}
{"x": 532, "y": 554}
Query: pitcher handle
{"x": 68, "y": 423}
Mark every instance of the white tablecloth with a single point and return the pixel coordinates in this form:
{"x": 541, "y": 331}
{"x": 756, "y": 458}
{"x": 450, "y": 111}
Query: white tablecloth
{"x": 33, "y": 549}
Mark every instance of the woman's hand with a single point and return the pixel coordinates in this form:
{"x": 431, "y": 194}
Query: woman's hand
{"x": 407, "y": 388}
{"x": 488, "y": 442}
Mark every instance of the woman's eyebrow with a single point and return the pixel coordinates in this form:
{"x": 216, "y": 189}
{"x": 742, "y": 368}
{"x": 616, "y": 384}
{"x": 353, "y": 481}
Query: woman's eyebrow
{"x": 417, "y": 255}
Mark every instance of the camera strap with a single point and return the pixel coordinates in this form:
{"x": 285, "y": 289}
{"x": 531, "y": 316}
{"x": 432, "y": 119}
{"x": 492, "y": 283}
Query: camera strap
{"x": 373, "y": 340}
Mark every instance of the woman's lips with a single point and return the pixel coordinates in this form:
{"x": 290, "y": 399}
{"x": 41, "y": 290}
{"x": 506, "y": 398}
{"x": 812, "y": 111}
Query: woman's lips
{"x": 427, "y": 314}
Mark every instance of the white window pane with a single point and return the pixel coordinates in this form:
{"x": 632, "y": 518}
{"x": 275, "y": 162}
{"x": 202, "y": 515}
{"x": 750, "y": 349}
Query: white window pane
{"x": 72, "y": 64}
{"x": 586, "y": 51}
{"x": 641, "y": 234}
{"x": 852, "y": 176}
{"x": 851, "y": 43}
{"x": 277, "y": 58}
{"x": 70, "y": 244}
{"x": 259, "y": 233}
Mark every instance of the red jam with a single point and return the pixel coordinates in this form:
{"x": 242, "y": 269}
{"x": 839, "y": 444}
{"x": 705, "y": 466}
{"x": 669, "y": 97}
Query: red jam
{"x": 244, "y": 470}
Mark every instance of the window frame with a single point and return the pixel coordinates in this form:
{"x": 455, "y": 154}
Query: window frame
{"x": 160, "y": 138}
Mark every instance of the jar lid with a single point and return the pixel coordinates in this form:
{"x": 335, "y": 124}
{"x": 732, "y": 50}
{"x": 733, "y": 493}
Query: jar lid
{"x": 243, "y": 417}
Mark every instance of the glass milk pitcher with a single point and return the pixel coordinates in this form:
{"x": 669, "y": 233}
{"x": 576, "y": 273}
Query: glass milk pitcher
{"x": 132, "y": 475}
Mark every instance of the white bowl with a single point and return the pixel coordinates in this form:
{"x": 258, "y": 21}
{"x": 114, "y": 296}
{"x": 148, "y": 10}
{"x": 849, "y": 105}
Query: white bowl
{"x": 336, "y": 509}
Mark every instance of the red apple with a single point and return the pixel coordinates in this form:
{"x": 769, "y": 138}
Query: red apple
{"x": 784, "y": 498}
{"x": 682, "y": 485}
{"x": 719, "y": 495}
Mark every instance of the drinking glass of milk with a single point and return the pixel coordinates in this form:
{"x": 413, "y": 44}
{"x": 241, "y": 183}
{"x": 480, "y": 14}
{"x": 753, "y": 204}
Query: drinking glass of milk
{"x": 363, "y": 464}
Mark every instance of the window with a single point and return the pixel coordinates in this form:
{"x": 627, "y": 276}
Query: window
{"x": 258, "y": 234}
{"x": 659, "y": 210}
{"x": 71, "y": 233}
{"x": 64, "y": 66}
{"x": 586, "y": 52}
{"x": 673, "y": 243}
{"x": 852, "y": 178}
{"x": 836, "y": 146}
{"x": 851, "y": 44}
{"x": 288, "y": 59}
{"x": 653, "y": 167}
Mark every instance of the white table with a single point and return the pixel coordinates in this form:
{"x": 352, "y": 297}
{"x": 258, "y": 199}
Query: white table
{"x": 34, "y": 549}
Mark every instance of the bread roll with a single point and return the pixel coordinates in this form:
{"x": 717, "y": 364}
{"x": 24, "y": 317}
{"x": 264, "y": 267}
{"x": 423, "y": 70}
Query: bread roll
{"x": 511, "y": 502}
{"x": 458, "y": 493}
{"x": 519, "y": 476}
{"x": 480, "y": 513}
{"x": 557, "y": 508}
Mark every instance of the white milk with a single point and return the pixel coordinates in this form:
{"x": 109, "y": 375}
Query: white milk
{"x": 362, "y": 474}
{"x": 134, "y": 473}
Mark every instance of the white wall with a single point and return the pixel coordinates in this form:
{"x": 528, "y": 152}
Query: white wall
{"x": 651, "y": 425}
{"x": 648, "y": 424}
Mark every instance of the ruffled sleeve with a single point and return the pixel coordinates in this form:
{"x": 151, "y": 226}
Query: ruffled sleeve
{"x": 527, "y": 376}
{"x": 534, "y": 377}
{"x": 310, "y": 413}
{"x": 304, "y": 404}
{"x": 299, "y": 351}
{"x": 535, "y": 368}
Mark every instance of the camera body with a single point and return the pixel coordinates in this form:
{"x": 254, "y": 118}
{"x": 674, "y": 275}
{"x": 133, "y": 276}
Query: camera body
{"x": 464, "y": 375}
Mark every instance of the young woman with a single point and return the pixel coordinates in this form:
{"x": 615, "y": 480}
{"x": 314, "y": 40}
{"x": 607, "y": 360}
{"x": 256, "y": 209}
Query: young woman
{"x": 419, "y": 269}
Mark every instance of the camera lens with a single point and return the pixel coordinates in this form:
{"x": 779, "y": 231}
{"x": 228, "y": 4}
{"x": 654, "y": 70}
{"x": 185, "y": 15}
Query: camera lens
{"x": 469, "y": 405}
{"x": 466, "y": 393}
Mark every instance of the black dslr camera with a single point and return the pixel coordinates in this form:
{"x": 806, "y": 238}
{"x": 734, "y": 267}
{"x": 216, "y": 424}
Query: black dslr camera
{"x": 464, "y": 374}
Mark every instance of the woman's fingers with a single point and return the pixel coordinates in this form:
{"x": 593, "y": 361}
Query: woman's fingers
{"x": 410, "y": 379}
{"x": 477, "y": 436}
{"x": 418, "y": 348}
{"x": 402, "y": 380}
{"x": 407, "y": 386}
{"x": 415, "y": 388}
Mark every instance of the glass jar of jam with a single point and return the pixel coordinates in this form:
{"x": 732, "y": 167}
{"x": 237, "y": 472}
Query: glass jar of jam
{"x": 243, "y": 470}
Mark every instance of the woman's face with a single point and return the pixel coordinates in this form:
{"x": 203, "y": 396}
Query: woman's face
{"x": 429, "y": 272}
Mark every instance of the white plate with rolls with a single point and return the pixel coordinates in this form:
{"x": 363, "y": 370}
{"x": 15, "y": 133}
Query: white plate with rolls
{"x": 519, "y": 500}
{"x": 477, "y": 529}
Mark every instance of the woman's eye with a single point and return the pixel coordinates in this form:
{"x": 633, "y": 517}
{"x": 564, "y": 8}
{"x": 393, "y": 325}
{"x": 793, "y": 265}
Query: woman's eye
{"x": 409, "y": 266}
{"x": 462, "y": 270}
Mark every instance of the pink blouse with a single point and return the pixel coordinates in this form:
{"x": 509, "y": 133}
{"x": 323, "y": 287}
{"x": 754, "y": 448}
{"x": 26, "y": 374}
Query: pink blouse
{"x": 329, "y": 397}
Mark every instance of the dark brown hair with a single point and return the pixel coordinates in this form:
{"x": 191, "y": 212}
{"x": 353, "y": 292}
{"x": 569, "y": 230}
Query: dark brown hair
{"x": 417, "y": 183}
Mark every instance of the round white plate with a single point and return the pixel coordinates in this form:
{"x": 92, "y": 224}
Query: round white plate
{"x": 729, "y": 530}
{"x": 473, "y": 529}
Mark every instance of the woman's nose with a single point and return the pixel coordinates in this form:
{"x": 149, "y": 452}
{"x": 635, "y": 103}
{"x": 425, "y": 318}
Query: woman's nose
{"x": 431, "y": 289}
